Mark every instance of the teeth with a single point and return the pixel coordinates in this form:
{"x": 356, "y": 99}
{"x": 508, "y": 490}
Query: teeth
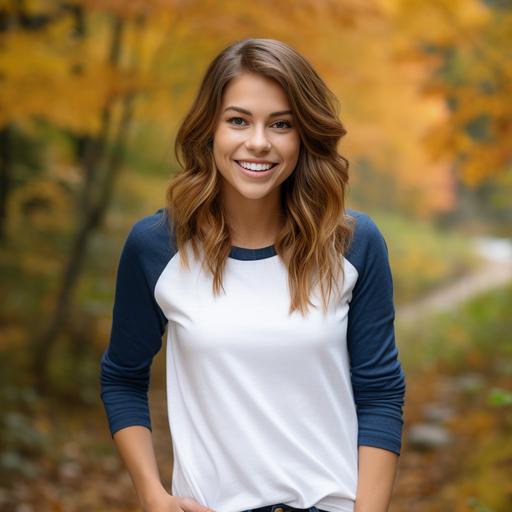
{"x": 255, "y": 167}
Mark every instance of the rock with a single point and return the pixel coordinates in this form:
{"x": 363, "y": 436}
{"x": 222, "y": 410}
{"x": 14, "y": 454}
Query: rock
{"x": 503, "y": 366}
{"x": 446, "y": 386}
{"x": 24, "y": 507}
{"x": 438, "y": 412}
{"x": 70, "y": 471}
{"x": 469, "y": 382}
{"x": 425, "y": 437}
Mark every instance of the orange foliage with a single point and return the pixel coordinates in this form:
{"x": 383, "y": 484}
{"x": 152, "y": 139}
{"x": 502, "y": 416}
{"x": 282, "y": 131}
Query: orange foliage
{"x": 370, "y": 53}
{"x": 474, "y": 76}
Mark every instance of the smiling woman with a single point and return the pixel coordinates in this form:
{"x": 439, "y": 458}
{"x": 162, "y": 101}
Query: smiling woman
{"x": 282, "y": 396}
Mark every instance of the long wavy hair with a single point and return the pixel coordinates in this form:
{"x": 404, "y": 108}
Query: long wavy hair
{"x": 317, "y": 231}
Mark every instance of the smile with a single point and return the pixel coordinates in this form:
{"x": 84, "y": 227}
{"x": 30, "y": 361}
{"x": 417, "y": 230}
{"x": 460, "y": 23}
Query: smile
{"x": 256, "y": 170}
{"x": 257, "y": 167}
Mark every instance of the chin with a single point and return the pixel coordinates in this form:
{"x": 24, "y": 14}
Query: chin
{"x": 253, "y": 195}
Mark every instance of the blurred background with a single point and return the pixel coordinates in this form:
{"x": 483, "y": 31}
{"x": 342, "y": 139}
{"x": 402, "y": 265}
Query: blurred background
{"x": 91, "y": 94}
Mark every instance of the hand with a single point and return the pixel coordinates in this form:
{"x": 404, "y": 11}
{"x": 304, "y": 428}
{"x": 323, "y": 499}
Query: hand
{"x": 168, "y": 503}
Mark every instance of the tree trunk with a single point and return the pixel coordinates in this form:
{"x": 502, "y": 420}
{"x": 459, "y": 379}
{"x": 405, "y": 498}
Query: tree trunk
{"x": 93, "y": 219}
{"x": 5, "y": 177}
{"x": 95, "y": 199}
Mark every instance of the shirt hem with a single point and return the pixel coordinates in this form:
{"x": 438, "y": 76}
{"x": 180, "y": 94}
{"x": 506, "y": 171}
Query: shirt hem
{"x": 349, "y": 508}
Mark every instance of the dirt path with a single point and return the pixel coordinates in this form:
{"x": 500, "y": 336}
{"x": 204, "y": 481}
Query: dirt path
{"x": 495, "y": 270}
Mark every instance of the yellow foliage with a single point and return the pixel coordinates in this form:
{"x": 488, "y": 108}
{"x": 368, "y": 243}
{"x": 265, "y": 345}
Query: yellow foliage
{"x": 476, "y": 38}
{"x": 485, "y": 474}
{"x": 368, "y": 52}
{"x": 42, "y": 205}
{"x": 130, "y": 9}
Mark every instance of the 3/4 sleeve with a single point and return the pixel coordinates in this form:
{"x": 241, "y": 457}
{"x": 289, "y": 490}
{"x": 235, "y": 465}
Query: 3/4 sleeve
{"x": 377, "y": 376}
{"x": 136, "y": 336}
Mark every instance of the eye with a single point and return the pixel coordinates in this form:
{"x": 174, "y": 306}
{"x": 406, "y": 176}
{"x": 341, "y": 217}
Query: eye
{"x": 287, "y": 123}
{"x": 231, "y": 119}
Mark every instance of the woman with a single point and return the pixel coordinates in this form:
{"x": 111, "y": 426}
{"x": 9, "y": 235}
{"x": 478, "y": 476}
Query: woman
{"x": 284, "y": 386}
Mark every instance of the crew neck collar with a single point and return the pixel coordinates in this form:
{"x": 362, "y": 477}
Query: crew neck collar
{"x": 245, "y": 254}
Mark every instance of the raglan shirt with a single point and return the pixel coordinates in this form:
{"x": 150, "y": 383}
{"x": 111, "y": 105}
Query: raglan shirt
{"x": 263, "y": 407}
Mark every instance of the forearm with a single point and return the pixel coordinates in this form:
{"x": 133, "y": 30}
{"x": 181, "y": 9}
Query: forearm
{"x": 376, "y": 478}
{"x": 135, "y": 446}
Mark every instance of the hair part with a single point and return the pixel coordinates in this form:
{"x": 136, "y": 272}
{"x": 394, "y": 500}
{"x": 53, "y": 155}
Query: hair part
{"x": 316, "y": 232}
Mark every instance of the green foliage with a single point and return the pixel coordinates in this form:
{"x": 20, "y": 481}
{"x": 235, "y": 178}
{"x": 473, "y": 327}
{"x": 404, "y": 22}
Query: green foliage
{"x": 499, "y": 397}
{"x": 421, "y": 256}
{"x": 476, "y": 335}
{"x": 477, "y": 505}
{"x": 21, "y": 439}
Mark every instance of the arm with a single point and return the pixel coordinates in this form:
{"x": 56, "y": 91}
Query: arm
{"x": 377, "y": 377}
{"x": 138, "y": 325}
{"x": 136, "y": 336}
{"x": 135, "y": 446}
{"x": 376, "y": 478}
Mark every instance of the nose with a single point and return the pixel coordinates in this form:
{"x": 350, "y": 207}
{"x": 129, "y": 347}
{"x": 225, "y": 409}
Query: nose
{"x": 257, "y": 140}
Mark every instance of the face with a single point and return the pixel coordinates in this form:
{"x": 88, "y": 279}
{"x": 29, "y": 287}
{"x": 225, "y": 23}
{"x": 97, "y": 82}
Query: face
{"x": 256, "y": 143}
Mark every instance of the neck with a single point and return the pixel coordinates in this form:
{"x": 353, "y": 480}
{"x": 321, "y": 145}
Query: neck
{"x": 254, "y": 223}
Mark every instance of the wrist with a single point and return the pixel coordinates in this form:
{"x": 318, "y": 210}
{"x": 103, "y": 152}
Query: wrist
{"x": 152, "y": 494}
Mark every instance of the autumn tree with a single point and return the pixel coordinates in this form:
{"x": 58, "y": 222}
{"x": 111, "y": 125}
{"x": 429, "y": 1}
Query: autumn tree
{"x": 466, "y": 45}
{"x": 56, "y": 42}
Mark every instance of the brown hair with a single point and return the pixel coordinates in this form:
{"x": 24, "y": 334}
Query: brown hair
{"x": 317, "y": 231}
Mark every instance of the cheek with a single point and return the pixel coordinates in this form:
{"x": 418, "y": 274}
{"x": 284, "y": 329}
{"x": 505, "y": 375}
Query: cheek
{"x": 225, "y": 143}
{"x": 292, "y": 149}
{"x": 221, "y": 144}
{"x": 222, "y": 153}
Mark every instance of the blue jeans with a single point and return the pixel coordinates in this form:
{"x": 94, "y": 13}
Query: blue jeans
{"x": 282, "y": 507}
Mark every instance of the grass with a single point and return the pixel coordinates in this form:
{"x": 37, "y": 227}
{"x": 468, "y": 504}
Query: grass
{"x": 423, "y": 257}
{"x": 475, "y": 336}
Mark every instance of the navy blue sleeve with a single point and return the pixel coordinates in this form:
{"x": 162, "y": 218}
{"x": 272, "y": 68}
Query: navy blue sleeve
{"x": 136, "y": 336}
{"x": 377, "y": 376}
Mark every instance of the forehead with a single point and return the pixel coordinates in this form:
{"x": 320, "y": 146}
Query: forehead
{"x": 255, "y": 92}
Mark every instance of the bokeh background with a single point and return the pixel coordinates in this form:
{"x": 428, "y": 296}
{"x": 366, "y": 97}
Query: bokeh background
{"x": 91, "y": 94}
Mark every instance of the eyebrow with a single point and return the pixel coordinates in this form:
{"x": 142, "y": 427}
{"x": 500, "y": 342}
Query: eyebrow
{"x": 243, "y": 111}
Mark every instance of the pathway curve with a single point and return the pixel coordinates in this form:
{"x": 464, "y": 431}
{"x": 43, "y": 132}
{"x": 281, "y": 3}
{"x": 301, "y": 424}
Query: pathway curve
{"x": 495, "y": 270}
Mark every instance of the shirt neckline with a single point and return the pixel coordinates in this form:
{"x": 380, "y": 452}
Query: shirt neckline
{"x": 245, "y": 254}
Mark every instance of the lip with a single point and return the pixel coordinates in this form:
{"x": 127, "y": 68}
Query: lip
{"x": 252, "y": 161}
{"x": 255, "y": 174}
